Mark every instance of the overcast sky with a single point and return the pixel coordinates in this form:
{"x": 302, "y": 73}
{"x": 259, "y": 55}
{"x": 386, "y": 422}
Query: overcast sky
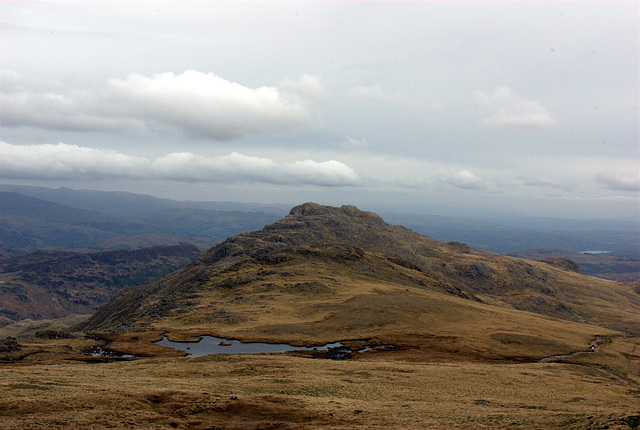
{"x": 524, "y": 107}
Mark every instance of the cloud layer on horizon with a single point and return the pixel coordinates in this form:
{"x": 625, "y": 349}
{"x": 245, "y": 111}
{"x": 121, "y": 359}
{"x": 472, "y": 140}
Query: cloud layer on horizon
{"x": 63, "y": 161}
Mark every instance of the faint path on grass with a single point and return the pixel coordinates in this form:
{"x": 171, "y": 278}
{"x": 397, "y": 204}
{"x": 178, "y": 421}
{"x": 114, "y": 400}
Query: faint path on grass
{"x": 596, "y": 341}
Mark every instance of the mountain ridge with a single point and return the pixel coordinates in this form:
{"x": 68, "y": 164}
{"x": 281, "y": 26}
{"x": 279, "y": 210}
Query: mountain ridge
{"x": 318, "y": 254}
{"x": 497, "y": 233}
{"x": 28, "y": 223}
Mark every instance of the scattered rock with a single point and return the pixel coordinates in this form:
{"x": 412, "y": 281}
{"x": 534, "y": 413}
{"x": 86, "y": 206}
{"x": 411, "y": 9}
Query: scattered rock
{"x": 54, "y": 334}
{"x": 563, "y": 263}
{"x": 307, "y": 287}
{"x": 576, "y": 400}
{"x": 234, "y": 282}
{"x": 10, "y": 344}
{"x": 460, "y": 247}
{"x": 632, "y": 421}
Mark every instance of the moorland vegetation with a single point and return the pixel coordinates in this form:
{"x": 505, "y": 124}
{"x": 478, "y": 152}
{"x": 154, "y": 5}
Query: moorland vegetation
{"x": 478, "y": 340}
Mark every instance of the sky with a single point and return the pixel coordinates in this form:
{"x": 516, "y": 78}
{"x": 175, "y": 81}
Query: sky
{"x": 435, "y": 107}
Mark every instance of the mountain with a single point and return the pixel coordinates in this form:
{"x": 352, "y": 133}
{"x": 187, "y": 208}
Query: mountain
{"x": 435, "y": 334}
{"x": 602, "y": 265}
{"x": 54, "y": 283}
{"x": 115, "y": 203}
{"x": 120, "y": 203}
{"x": 495, "y": 232}
{"x": 324, "y": 274}
{"x": 31, "y": 222}
{"x": 133, "y": 221}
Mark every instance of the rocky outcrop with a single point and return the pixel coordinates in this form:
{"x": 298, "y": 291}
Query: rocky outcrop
{"x": 9, "y": 344}
{"x": 563, "y": 263}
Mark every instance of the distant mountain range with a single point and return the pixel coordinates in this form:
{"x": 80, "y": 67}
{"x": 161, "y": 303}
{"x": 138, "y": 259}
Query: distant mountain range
{"x": 33, "y": 218}
{"x": 95, "y": 220}
{"x": 513, "y": 234}
{"x": 131, "y": 204}
{"x": 118, "y": 216}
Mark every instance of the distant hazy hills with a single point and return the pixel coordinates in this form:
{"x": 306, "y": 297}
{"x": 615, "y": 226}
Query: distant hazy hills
{"x": 83, "y": 219}
{"x": 44, "y": 218}
{"x": 512, "y": 234}
{"x": 131, "y": 204}
{"x": 615, "y": 267}
{"x": 27, "y": 222}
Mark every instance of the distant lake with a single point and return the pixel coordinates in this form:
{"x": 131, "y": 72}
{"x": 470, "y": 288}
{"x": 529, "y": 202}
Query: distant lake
{"x": 595, "y": 252}
{"x": 216, "y": 345}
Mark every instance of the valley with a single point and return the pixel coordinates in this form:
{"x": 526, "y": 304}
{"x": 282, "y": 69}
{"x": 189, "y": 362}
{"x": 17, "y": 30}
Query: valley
{"x": 54, "y": 284}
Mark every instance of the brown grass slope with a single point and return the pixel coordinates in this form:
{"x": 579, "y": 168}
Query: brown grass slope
{"x": 360, "y": 245}
{"x": 261, "y": 392}
{"x": 465, "y": 356}
{"x": 325, "y": 274}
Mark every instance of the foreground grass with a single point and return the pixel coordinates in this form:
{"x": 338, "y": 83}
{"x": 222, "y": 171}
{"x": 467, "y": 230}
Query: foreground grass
{"x": 281, "y": 391}
{"x": 458, "y": 364}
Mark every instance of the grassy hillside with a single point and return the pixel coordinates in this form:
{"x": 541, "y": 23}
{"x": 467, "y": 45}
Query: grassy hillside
{"x": 325, "y": 257}
{"x": 473, "y": 340}
{"x": 284, "y": 392}
{"x": 338, "y": 274}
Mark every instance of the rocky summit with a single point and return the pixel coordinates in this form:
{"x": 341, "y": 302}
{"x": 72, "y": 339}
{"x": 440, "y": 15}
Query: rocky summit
{"x": 329, "y": 273}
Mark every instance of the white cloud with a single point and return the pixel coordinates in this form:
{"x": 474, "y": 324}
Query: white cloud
{"x": 625, "y": 181}
{"x": 547, "y": 183}
{"x": 67, "y": 161}
{"x": 308, "y": 86}
{"x": 352, "y": 143}
{"x": 199, "y": 104}
{"x": 44, "y": 104}
{"x": 466, "y": 180}
{"x": 510, "y": 111}
{"x": 63, "y": 161}
{"x": 377, "y": 94}
{"x": 206, "y": 105}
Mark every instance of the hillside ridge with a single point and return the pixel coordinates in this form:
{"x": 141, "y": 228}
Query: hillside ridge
{"x": 348, "y": 248}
